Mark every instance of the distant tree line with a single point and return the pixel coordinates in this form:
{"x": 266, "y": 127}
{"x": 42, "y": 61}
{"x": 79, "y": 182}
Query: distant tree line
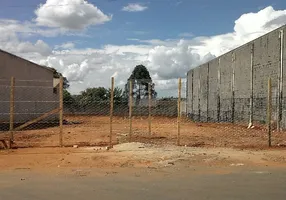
{"x": 96, "y": 100}
{"x": 140, "y": 79}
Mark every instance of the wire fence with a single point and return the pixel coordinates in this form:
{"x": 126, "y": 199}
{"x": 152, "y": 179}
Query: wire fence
{"x": 43, "y": 114}
{"x": 28, "y": 111}
{"x": 234, "y": 104}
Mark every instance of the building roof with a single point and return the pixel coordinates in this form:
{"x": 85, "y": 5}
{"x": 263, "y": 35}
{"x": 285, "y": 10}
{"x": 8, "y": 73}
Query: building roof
{"x": 36, "y": 65}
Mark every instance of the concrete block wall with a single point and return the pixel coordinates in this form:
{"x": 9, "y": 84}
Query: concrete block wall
{"x": 284, "y": 84}
{"x": 266, "y": 64}
{"x": 242, "y": 83}
{"x": 213, "y": 91}
{"x": 225, "y": 68}
{"x": 196, "y": 95}
{"x": 233, "y": 87}
{"x": 204, "y": 92}
{"x": 189, "y": 95}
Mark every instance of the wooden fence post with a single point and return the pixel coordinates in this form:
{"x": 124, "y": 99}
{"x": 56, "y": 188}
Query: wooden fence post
{"x": 12, "y": 106}
{"x": 269, "y": 111}
{"x": 130, "y": 109}
{"x": 149, "y": 104}
{"x": 61, "y": 111}
{"x": 179, "y": 112}
{"x": 111, "y": 111}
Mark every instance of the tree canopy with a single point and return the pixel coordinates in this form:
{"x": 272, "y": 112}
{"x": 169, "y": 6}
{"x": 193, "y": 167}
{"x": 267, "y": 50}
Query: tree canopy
{"x": 58, "y": 75}
{"x": 94, "y": 97}
{"x": 141, "y": 80}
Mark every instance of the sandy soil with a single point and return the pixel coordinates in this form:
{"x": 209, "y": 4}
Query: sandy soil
{"x": 94, "y": 131}
{"x": 135, "y": 155}
{"x": 224, "y": 153}
{"x": 206, "y": 144}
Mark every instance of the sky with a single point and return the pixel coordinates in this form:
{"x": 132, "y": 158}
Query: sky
{"x": 91, "y": 41}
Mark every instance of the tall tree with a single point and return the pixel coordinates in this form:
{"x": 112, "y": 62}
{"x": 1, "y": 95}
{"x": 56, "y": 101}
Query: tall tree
{"x": 118, "y": 95}
{"x": 140, "y": 78}
{"x": 100, "y": 96}
{"x": 69, "y": 101}
{"x": 93, "y": 96}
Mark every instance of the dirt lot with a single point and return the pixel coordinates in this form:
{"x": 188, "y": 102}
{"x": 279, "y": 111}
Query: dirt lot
{"x": 94, "y": 131}
{"x": 136, "y": 155}
{"x": 142, "y": 171}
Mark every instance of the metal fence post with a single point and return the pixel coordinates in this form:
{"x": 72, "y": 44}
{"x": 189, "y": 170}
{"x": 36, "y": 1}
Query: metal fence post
{"x": 12, "y": 106}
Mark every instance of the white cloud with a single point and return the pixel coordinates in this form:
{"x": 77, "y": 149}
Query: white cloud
{"x": 133, "y": 39}
{"x": 122, "y": 50}
{"x": 77, "y": 72}
{"x": 69, "y": 14}
{"x": 39, "y": 47}
{"x": 265, "y": 19}
{"x": 115, "y": 74}
{"x": 155, "y": 42}
{"x": 248, "y": 27}
{"x": 67, "y": 45}
{"x": 134, "y": 7}
{"x": 27, "y": 29}
{"x": 173, "y": 62}
{"x": 9, "y": 39}
{"x": 166, "y": 59}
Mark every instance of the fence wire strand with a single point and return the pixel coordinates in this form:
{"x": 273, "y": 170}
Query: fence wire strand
{"x": 212, "y": 111}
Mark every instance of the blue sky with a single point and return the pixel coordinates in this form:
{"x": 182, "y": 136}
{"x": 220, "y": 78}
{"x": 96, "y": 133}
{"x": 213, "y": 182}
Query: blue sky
{"x": 168, "y": 36}
{"x": 164, "y": 19}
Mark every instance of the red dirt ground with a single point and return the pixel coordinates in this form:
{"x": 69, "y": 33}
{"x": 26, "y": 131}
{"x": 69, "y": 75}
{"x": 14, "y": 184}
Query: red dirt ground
{"x": 94, "y": 131}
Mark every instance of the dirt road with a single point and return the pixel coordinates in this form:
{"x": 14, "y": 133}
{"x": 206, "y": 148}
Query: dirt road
{"x": 142, "y": 171}
{"x": 172, "y": 183}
